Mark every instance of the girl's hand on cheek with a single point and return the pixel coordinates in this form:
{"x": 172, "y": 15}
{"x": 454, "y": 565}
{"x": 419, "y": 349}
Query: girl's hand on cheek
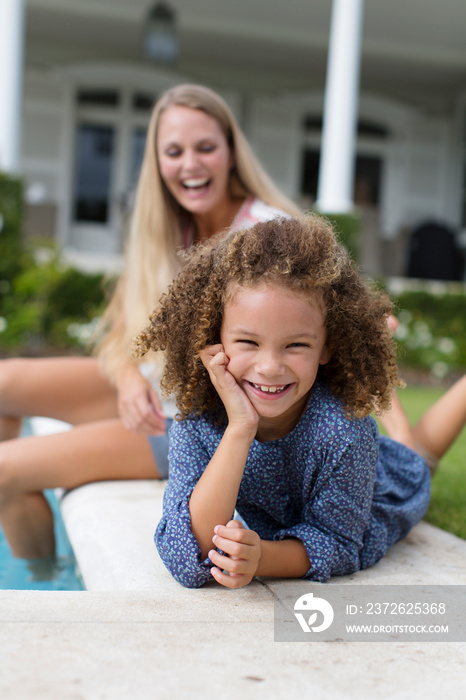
{"x": 237, "y": 405}
{"x": 242, "y": 549}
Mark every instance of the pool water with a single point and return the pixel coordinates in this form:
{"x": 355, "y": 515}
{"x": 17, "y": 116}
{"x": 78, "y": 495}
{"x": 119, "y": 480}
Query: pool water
{"x": 57, "y": 574}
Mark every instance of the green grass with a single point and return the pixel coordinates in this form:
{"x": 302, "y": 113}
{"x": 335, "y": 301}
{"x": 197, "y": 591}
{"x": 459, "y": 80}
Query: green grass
{"x": 447, "y": 508}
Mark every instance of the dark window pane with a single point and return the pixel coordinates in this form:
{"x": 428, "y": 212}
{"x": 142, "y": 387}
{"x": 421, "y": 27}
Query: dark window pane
{"x": 366, "y": 128}
{"x": 463, "y": 207}
{"x": 463, "y": 218}
{"x": 138, "y": 142}
{"x": 310, "y": 172}
{"x": 372, "y": 129}
{"x": 98, "y": 98}
{"x": 367, "y": 177}
{"x": 143, "y": 102}
{"x": 94, "y": 157}
{"x": 312, "y": 122}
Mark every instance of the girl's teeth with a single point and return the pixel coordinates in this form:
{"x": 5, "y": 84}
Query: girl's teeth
{"x": 269, "y": 389}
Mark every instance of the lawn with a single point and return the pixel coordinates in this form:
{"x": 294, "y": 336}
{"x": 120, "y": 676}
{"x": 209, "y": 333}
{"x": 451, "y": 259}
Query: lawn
{"x": 448, "y": 504}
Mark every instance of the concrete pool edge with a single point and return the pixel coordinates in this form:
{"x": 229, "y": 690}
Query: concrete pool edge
{"x": 111, "y": 527}
{"x": 135, "y": 633}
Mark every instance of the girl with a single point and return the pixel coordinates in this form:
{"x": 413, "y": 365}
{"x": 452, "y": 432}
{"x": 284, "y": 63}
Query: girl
{"x": 198, "y": 177}
{"x": 277, "y": 352}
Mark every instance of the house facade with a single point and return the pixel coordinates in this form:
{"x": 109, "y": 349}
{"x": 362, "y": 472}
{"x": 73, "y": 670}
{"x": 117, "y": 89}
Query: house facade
{"x": 87, "y": 95}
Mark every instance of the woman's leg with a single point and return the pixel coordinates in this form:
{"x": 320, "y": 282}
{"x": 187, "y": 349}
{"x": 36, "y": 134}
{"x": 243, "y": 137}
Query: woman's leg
{"x": 396, "y": 423}
{"x": 71, "y": 389}
{"x": 438, "y": 428}
{"x": 98, "y": 451}
{"x": 10, "y": 427}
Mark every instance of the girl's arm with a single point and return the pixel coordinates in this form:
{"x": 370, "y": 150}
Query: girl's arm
{"x": 328, "y": 539}
{"x": 283, "y": 559}
{"x": 214, "y": 497}
{"x": 193, "y": 504}
{"x": 177, "y": 546}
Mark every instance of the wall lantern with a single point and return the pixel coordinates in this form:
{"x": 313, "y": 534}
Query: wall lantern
{"x": 160, "y": 41}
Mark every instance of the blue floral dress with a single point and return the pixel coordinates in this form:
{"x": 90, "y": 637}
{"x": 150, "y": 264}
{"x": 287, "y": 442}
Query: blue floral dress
{"x": 345, "y": 491}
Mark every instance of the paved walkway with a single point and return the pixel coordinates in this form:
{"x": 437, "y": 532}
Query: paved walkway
{"x": 137, "y": 634}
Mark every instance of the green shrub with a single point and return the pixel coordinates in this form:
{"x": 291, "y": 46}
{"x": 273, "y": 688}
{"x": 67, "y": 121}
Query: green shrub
{"x": 348, "y": 227}
{"x": 75, "y": 295}
{"x": 431, "y": 332}
{"x": 49, "y": 307}
{"x": 42, "y": 305}
{"x": 11, "y": 209}
{"x": 13, "y": 257}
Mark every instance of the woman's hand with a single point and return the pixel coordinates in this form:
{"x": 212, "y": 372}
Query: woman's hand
{"x": 239, "y": 409}
{"x": 244, "y": 549}
{"x": 138, "y": 404}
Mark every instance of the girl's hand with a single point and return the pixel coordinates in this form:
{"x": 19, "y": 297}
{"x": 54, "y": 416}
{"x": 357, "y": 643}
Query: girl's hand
{"x": 239, "y": 409}
{"x": 244, "y": 549}
{"x": 138, "y": 405}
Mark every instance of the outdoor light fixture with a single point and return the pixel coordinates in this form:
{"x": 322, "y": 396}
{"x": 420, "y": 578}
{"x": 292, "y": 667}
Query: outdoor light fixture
{"x": 160, "y": 41}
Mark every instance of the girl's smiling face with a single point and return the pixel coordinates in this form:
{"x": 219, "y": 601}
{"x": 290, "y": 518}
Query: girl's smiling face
{"x": 275, "y": 341}
{"x": 194, "y": 159}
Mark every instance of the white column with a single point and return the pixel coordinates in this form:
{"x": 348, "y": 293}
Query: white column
{"x": 337, "y": 155}
{"x": 11, "y": 82}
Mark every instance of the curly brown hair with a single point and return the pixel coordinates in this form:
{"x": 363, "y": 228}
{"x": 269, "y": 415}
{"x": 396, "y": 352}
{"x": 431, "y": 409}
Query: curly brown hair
{"x": 304, "y": 255}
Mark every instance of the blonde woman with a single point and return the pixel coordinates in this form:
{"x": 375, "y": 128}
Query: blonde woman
{"x": 199, "y": 176}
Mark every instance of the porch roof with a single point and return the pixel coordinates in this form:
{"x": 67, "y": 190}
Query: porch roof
{"x": 413, "y": 50}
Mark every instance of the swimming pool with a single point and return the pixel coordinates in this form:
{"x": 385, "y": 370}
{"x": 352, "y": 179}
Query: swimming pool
{"x": 58, "y": 574}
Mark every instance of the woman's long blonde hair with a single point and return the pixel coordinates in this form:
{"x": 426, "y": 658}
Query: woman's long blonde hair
{"x": 157, "y": 222}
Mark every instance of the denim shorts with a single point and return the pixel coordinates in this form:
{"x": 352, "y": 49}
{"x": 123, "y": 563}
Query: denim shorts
{"x": 159, "y": 447}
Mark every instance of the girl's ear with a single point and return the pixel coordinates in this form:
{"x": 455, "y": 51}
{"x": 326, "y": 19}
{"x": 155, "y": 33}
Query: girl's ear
{"x": 325, "y": 355}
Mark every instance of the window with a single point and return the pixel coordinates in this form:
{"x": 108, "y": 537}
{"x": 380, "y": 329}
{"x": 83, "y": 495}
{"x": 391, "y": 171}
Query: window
{"x": 138, "y": 142}
{"x": 142, "y": 102}
{"x": 463, "y": 197}
{"x": 367, "y": 177}
{"x": 366, "y": 128}
{"x": 94, "y": 156}
{"x": 98, "y": 98}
